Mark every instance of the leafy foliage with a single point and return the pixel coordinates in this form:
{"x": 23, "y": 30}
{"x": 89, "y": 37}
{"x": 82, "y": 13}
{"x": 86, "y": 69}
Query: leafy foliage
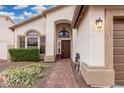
{"x": 26, "y": 75}
{"x": 31, "y": 54}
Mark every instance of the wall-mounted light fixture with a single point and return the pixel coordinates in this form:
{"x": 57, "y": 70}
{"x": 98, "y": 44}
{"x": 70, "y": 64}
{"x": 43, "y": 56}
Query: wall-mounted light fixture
{"x": 99, "y": 23}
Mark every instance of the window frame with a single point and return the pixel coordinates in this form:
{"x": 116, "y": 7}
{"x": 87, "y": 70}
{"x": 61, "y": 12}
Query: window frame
{"x": 44, "y": 47}
{"x": 21, "y": 42}
{"x": 29, "y": 35}
{"x": 64, "y": 36}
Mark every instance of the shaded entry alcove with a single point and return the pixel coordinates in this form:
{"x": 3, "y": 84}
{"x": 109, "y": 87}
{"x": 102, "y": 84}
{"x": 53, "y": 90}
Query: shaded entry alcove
{"x": 63, "y": 40}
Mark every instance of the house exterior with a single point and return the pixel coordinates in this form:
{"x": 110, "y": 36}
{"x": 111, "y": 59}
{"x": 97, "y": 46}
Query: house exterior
{"x": 95, "y": 33}
{"x": 98, "y": 34}
{"x": 46, "y": 32}
{"x": 6, "y": 36}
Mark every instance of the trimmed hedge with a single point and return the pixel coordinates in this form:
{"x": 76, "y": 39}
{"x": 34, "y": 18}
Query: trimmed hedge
{"x": 31, "y": 54}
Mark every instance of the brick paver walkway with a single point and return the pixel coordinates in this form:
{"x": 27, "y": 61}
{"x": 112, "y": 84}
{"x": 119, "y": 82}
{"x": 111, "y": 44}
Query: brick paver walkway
{"x": 62, "y": 76}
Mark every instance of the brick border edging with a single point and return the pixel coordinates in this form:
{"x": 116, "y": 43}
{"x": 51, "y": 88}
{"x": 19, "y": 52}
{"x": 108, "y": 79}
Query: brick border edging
{"x": 79, "y": 78}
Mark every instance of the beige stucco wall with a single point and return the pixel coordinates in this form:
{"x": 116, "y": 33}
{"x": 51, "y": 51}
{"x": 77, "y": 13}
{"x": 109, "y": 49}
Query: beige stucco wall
{"x": 3, "y": 51}
{"x": 6, "y": 37}
{"x": 74, "y": 46}
{"x": 65, "y": 13}
{"x": 96, "y": 37}
{"x": 89, "y": 40}
{"x": 90, "y": 43}
{"x": 37, "y": 25}
{"x": 82, "y": 39}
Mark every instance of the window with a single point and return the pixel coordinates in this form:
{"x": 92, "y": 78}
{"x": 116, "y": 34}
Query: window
{"x": 32, "y": 42}
{"x": 22, "y": 42}
{"x": 32, "y": 33}
{"x": 32, "y": 39}
{"x": 42, "y": 44}
{"x": 59, "y": 47}
{"x": 64, "y": 34}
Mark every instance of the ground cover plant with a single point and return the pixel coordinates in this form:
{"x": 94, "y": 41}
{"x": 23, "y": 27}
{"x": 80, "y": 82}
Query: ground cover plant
{"x": 26, "y": 75}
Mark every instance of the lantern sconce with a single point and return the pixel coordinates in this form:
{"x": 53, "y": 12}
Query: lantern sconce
{"x": 99, "y": 23}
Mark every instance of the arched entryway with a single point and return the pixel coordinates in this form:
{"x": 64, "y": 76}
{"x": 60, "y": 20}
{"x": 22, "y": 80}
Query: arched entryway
{"x": 63, "y": 39}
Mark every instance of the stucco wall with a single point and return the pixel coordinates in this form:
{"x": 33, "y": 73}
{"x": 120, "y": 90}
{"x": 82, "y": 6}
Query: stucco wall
{"x": 4, "y": 54}
{"x": 82, "y": 39}
{"x": 6, "y": 35}
{"x": 92, "y": 68}
{"x": 74, "y": 46}
{"x": 65, "y": 13}
{"x": 96, "y": 37}
{"x": 3, "y": 51}
{"x": 37, "y": 25}
{"x": 89, "y": 40}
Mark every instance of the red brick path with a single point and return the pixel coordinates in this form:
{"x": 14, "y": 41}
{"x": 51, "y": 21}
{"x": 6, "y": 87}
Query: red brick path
{"x": 62, "y": 76}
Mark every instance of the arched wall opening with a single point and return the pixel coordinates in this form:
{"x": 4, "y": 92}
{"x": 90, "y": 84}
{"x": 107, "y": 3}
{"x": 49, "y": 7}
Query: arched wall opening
{"x": 63, "y": 38}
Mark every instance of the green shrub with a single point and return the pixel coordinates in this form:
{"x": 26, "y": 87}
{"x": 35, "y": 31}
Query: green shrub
{"x": 31, "y": 54}
{"x": 26, "y": 75}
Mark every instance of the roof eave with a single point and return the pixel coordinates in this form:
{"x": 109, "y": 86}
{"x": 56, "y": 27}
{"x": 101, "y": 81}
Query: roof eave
{"x": 53, "y": 8}
{"x": 8, "y": 18}
{"x": 24, "y": 22}
{"x": 78, "y": 13}
{"x": 43, "y": 14}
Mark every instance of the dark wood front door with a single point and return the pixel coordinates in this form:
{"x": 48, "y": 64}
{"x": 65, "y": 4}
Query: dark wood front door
{"x": 65, "y": 48}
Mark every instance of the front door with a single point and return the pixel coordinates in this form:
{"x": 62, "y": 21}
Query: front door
{"x": 65, "y": 48}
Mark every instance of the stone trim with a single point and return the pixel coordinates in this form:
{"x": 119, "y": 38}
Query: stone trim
{"x": 109, "y": 14}
{"x": 42, "y": 56}
{"x": 97, "y": 77}
{"x": 78, "y": 76}
{"x": 49, "y": 59}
